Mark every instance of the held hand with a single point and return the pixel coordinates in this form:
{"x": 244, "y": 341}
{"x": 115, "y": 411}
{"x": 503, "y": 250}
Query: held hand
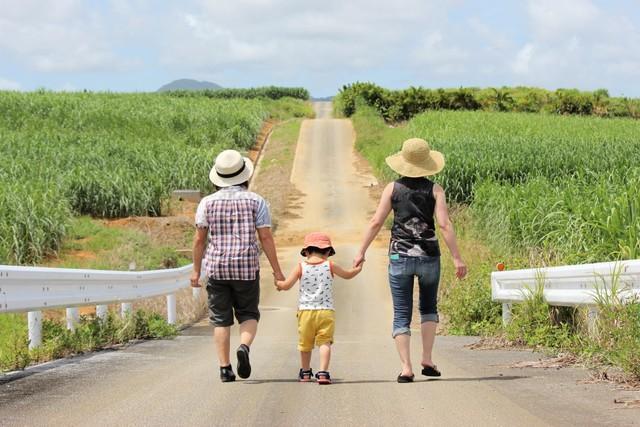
{"x": 358, "y": 261}
{"x": 278, "y": 275}
{"x": 461, "y": 268}
{"x": 195, "y": 280}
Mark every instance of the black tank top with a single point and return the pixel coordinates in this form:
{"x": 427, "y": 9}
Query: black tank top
{"x": 413, "y": 232}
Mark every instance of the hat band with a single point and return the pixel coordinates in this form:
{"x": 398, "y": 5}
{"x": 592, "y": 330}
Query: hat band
{"x": 231, "y": 175}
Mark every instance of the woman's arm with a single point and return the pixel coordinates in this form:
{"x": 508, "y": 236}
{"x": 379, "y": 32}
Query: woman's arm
{"x": 284, "y": 285}
{"x": 345, "y": 274}
{"x": 446, "y": 228}
{"x": 376, "y": 223}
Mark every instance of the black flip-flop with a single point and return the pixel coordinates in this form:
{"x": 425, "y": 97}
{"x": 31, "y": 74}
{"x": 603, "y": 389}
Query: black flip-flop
{"x": 405, "y": 378}
{"x": 431, "y": 371}
{"x": 244, "y": 367}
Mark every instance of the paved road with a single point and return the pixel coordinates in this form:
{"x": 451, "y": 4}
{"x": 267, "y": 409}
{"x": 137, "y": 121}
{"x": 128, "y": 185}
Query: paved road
{"x": 175, "y": 382}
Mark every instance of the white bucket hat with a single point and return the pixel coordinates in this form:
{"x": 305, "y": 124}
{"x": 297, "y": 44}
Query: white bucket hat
{"x": 416, "y": 159}
{"x": 230, "y": 168}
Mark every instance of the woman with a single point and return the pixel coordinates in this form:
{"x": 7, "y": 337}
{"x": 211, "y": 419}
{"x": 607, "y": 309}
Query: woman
{"x": 414, "y": 249}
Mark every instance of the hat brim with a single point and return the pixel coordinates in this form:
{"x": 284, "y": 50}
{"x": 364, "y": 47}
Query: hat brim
{"x": 244, "y": 176}
{"x": 431, "y": 166}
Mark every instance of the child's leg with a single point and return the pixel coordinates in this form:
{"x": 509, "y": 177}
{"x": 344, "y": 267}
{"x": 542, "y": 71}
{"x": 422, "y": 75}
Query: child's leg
{"x": 324, "y": 336}
{"x": 305, "y": 360}
{"x": 325, "y": 356}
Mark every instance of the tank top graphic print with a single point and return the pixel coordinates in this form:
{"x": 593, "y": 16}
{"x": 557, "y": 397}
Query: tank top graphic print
{"x": 413, "y": 232}
{"x": 316, "y": 286}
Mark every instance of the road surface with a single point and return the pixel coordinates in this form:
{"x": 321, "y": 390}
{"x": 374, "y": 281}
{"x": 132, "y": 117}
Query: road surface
{"x": 176, "y": 382}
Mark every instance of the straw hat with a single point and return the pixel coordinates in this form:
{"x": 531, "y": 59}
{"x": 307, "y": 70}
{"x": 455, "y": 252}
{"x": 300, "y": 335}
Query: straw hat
{"x": 416, "y": 159}
{"x": 230, "y": 169}
{"x": 317, "y": 240}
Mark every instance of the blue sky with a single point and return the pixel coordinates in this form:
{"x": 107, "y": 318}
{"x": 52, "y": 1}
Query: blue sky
{"x": 139, "y": 45}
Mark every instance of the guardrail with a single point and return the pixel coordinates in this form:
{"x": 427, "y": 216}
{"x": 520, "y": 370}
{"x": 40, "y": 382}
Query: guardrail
{"x": 571, "y": 285}
{"x": 33, "y": 289}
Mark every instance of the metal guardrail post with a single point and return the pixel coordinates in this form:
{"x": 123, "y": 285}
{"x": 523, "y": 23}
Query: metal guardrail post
{"x": 102, "y": 311}
{"x": 196, "y": 293}
{"x": 125, "y": 309}
{"x": 35, "y": 329}
{"x": 171, "y": 309}
{"x": 592, "y": 320}
{"x": 506, "y": 313}
{"x": 73, "y": 316}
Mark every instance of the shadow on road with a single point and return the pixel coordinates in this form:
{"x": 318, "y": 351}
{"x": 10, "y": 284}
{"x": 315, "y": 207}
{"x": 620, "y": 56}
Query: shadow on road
{"x": 337, "y": 381}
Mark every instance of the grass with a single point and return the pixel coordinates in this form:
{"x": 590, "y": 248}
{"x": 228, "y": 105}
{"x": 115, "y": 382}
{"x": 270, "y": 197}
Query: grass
{"x": 91, "y": 334}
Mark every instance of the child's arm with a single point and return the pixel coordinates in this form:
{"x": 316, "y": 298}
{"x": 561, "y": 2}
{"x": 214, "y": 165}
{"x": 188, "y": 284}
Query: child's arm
{"x": 284, "y": 285}
{"x": 346, "y": 274}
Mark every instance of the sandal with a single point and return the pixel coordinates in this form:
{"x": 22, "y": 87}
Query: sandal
{"x": 305, "y": 376}
{"x": 406, "y": 378}
{"x": 430, "y": 371}
{"x": 323, "y": 377}
{"x": 226, "y": 374}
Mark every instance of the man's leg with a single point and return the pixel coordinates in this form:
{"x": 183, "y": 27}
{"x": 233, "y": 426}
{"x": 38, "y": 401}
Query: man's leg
{"x": 221, "y": 316}
{"x": 248, "y": 330}
{"x": 222, "y": 335}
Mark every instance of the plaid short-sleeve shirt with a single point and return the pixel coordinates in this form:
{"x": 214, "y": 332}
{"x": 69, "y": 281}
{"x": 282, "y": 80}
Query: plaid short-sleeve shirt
{"x": 232, "y": 216}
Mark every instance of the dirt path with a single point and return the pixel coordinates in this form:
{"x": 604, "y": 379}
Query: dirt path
{"x": 175, "y": 382}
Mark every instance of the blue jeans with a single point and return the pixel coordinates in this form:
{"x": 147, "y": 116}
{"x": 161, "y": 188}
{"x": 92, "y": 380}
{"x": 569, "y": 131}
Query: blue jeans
{"x": 402, "y": 271}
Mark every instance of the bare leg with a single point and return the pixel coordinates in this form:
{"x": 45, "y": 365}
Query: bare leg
{"x": 403, "y": 345}
{"x": 325, "y": 356}
{"x": 305, "y": 360}
{"x": 221, "y": 336}
{"x": 248, "y": 330}
{"x": 428, "y": 330}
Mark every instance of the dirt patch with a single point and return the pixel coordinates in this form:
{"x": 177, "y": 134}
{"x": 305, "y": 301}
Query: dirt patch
{"x": 274, "y": 183}
{"x": 166, "y": 230}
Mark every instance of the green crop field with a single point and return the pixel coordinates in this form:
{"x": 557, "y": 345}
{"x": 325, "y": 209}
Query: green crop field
{"x": 109, "y": 155}
{"x": 564, "y": 185}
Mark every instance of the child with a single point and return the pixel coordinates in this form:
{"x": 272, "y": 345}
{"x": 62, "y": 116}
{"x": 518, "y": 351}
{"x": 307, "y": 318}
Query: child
{"x": 315, "y": 304}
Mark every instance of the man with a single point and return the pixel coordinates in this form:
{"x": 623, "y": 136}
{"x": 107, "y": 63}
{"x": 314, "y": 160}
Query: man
{"x": 230, "y": 218}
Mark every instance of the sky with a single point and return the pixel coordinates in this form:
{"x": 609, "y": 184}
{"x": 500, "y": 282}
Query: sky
{"x": 139, "y": 45}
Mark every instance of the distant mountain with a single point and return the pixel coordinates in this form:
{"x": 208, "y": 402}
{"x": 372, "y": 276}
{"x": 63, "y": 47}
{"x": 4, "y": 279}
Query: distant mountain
{"x": 189, "y": 84}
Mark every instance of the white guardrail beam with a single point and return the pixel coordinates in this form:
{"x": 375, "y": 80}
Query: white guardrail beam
{"x": 571, "y": 285}
{"x": 33, "y": 289}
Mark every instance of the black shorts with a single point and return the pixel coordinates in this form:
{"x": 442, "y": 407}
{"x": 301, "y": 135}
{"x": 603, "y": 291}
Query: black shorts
{"x": 228, "y": 296}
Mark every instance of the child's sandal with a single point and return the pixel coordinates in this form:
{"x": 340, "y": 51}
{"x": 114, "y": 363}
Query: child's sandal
{"x": 305, "y": 376}
{"x": 323, "y": 377}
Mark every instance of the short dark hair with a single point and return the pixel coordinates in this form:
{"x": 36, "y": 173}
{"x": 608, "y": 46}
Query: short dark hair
{"x": 242, "y": 184}
{"x": 315, "y": 250}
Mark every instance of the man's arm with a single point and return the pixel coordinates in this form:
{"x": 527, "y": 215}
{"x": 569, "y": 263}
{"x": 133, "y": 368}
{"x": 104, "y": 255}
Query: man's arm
{"x": 269, "y": 248}
{"x": 199, "y": 245}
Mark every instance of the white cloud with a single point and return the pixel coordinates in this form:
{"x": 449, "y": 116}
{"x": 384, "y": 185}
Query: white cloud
{"x": 60, "y": 36}
{"x": 6, "y": 84}
{"x": 574, "y": 43}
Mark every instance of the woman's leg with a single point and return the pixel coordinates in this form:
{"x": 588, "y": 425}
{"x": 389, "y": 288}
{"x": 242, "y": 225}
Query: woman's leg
{"x": 428, "y": 280}
{"x": 401, "y": 284}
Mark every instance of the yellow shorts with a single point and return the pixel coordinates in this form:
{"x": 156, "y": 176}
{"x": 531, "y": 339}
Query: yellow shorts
{"x": 315, "y": 327}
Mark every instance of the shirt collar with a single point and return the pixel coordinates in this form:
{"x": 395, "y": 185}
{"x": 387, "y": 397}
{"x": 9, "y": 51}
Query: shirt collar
{"x": 233, "y": 188}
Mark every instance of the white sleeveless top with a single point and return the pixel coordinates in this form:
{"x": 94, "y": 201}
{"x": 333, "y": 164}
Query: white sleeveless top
{"x": 316, "y": 286}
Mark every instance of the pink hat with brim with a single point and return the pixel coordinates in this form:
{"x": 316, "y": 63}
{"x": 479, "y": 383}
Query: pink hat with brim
{"x": 317, "y": 240}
